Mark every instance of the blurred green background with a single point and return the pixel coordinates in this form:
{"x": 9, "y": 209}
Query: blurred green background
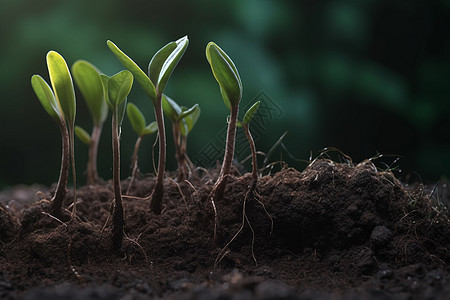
{"x": 364, "y": 76}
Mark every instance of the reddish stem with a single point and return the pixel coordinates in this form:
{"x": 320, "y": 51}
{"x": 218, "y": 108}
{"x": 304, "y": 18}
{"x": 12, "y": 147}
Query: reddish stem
{"x": 221, "y": 183}
{"x": 92, "y": 174}
{"x": 134, "y": 162}
{"x": 118, "y": 219}
{"x": 251, "y": 143}
{"x": 60, "y": 192}
{"x": 158, "y": 192}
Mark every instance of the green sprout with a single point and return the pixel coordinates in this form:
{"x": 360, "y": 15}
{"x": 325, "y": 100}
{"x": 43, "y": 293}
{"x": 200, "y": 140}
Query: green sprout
{"x": 138, "y": 122}
{"x": 116, "y": 90}
{"x": 159, "y": 71}
{"x": 59, "y": 102}
{"x": 87, "y": 78}
{"x": 183, "y": 120}
{"x": 245, "y": 124}
{"x": 230, "y": 84}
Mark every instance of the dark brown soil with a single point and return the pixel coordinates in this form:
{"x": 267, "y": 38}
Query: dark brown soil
{"x": 331, "y": 231}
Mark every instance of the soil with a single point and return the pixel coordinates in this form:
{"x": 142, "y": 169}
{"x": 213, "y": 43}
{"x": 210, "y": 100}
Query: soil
{"x": 334, "y": 230}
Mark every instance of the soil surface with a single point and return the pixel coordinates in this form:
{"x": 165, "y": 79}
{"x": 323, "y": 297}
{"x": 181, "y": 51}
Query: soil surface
{"x": 338, "y": 231}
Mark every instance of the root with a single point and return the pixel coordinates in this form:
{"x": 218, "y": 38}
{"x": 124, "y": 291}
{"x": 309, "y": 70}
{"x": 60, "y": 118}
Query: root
{"x": 135, "y": 197}
{"x": 245, "y": 219}
{"x": 208, "y": 174}
{"x": 195, "y": 190}
{"x": 135, "y": 241}
{"x": 253, "y": 239}
{"x": 54, "y": 218}
{"x": 225, "y": 250}
{"x": 181, "y": 193}
{"x": 111, "y": 209}
{"x": 215, "y": 218}
{"x": 265, "y": 210}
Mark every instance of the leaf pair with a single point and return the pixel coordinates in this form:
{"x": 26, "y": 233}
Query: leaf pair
{"x": 185, "y": 117}
{"x": 116, "y": 89}
{"x": 226, "y": 74}
{"x": 58, "y": 101}
{"x": 160, "y": 68}
{"x": 138, "y": 122}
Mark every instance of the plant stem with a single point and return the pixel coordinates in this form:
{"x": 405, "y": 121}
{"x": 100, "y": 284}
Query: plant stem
{"x": 92, "y": 174}
{"x": 158, "y": 192}
{"x": 181, "y": 171}
{"x": 251, "y": 143}
{"x": 60, "y": 192}
{"x": 74, "y": 174}
{"x": 118, "y": 220}
{"x": 134, "y": 162}
{"x": 189, "y": 163}
{"x": 221, "y": 183}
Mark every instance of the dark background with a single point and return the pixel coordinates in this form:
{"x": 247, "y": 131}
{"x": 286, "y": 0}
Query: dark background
{"x": 364, "y": 76}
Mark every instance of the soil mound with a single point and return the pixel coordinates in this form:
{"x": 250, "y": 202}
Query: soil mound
{"x": 333, "y": 230}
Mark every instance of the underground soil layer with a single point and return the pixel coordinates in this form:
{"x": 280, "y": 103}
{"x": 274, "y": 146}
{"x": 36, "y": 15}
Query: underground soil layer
{"x": 332, "y": 231}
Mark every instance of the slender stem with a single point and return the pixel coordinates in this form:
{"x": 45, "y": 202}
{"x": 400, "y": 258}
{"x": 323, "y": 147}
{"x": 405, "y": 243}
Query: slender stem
{"x": 74, "y": 174}
{"x": 181, "y": 171}
{"x": 186, "y": 157}
{"x": 60, "y": 192}
{"x": 251, "y": 143}
{"x": 158, "y": 192}
{"x": 92, "y": 174}
{"x": 219, "y": 187}
{"x": 134, "y": 162}
{"x": 118, "y": 219}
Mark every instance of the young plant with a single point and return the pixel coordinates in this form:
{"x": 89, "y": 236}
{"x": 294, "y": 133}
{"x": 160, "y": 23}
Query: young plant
{"x": 183, "y": 120}
{"x": 230, "y": 84}
{"x": 116, "y": 90}
{"x": 60, "y": 104}
{"x": 159, "y": 71}
{"x": 137, "y": 121}
{"x": 245, "y": 124}
{"x": 87, "y": 78}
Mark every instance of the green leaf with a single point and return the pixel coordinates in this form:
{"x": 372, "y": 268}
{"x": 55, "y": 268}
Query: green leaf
{"x": 164, "y": 62}
{"x": 136, "y": 118}
{"x": 171, "y": 108}
{"x": 250, "y": 113}
{"x": 82, "y": 135}
{"x": 239, "y": 124}
{"x": 150, "y": 129}
{"x": 187, "y": 112}
{"x": 121, "y": 112}
{"x": 105, "y": 80}
{"x": 46, "y": 97}
{"x": 188, "y": 122}
{"x": 225, "y": 73}
{"x": 87, "y": 78}
{"x": 62, "y": 84}
{"x": 140, "y": 75}
{"x": 119, "y": 86}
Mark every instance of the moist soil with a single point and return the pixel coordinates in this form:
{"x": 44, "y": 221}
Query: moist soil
{"x": 332, "y": 231}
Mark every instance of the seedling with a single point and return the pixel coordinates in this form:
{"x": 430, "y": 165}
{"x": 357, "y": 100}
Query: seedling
{"x": 245, "y": 124}
{"x": 230, "y": 84}
{"x": 116, "y": 90}
{"x": 137, "y": 121}
{"x": 60, "y": 104}
{"x": 159, "y": 71}
{"x": 87, "y": 78}
{"x": 183, "y": 120}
